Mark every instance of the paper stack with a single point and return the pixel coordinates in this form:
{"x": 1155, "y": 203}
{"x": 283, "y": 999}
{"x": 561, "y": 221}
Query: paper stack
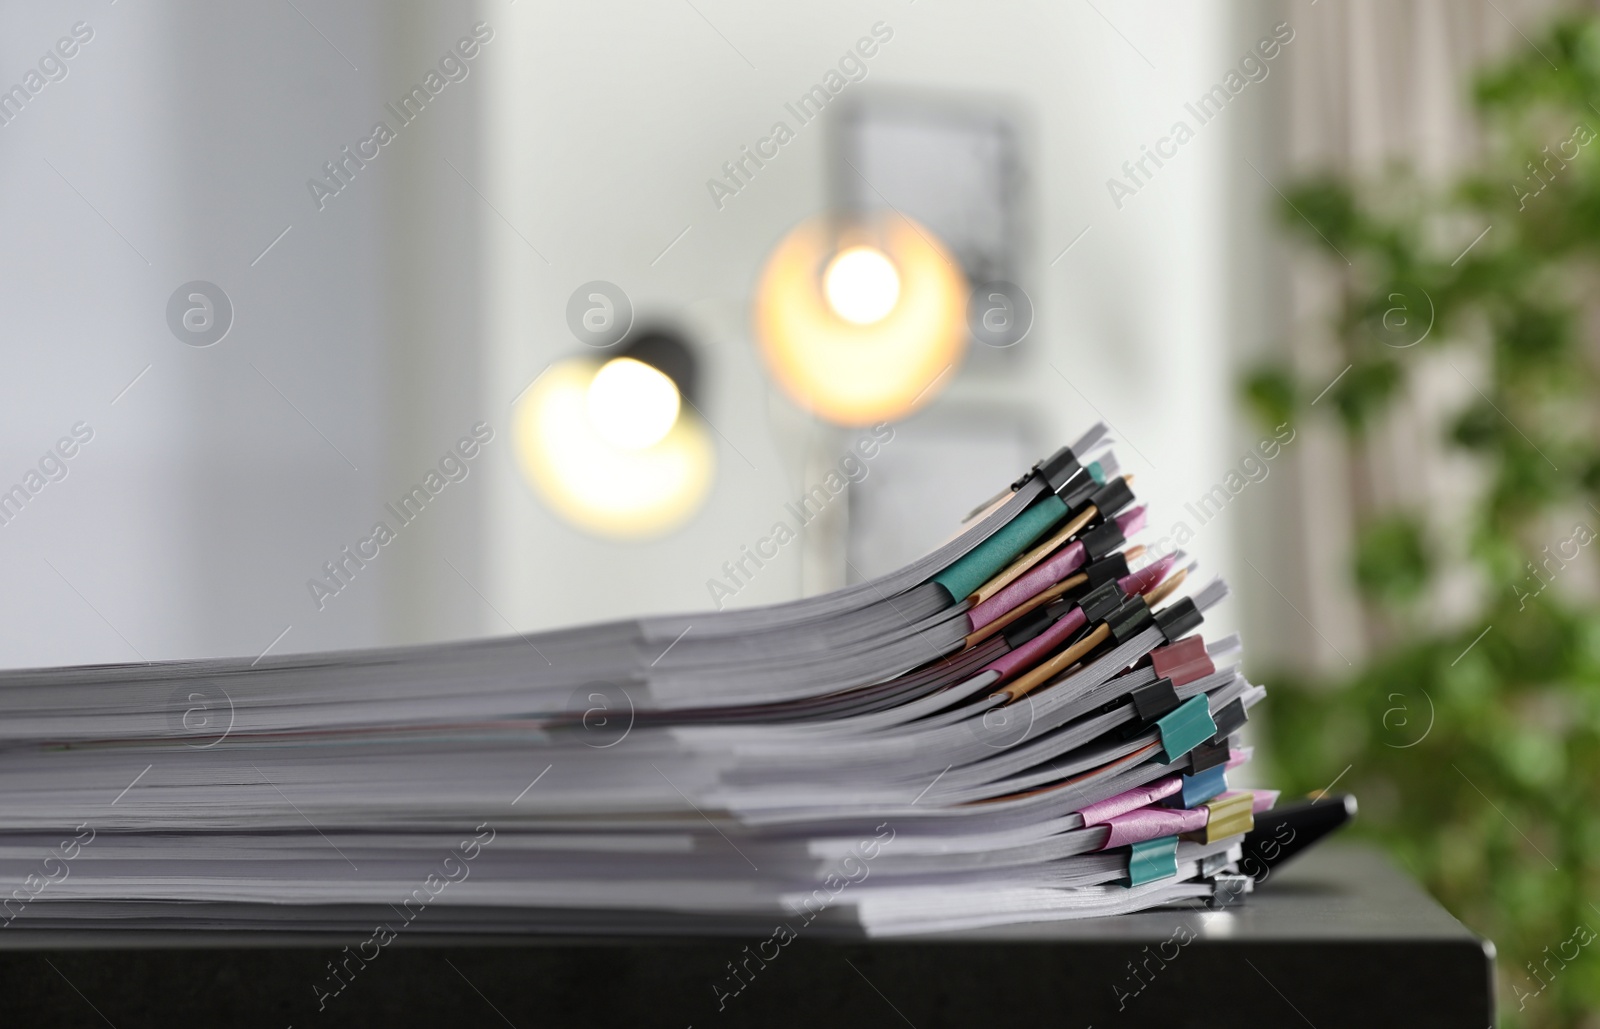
{"x": 1022, "y": 725}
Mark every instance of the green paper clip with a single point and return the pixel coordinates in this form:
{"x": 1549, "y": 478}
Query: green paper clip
{"x": 1152, "y": 860}
{"x": 980, "y": 564}
{"x": 1186, "y": 727}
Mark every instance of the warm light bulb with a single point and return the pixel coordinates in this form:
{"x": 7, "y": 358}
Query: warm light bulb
{"x": 852, "y": 371}
{"x": 605, "y": 489}
{"x": 862, "y": 285}
{"x": 630, "y": 404}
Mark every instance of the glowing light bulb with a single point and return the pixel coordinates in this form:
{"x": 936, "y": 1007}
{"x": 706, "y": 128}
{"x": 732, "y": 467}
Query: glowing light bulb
{"x": 630, "y": 404}
{"x": 862, "y": 285}
{"x": 853, "y": 372}
{"x": 602, "y": 488}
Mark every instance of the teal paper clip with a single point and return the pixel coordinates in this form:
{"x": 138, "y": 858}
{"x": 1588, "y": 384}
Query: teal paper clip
{"x": 1152, "y": 860}
{"x": 1186, "y": 727}
{"x": 980, "y": 564}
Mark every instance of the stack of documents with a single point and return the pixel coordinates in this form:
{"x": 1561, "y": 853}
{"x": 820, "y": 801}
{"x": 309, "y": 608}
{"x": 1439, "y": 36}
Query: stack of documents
{"x": 1026, "y": 724}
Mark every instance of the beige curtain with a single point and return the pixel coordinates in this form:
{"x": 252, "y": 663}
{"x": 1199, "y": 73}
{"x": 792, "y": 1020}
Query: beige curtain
{"x": 1374, "y": 82}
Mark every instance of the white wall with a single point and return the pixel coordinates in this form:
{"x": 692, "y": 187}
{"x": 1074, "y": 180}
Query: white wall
{"x": 409, "y": 308}
{"x": 607, "y": 120}
{"x": 184, "y": 135}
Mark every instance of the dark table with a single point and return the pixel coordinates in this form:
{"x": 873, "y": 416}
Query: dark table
{"x": 1337, "y": 938}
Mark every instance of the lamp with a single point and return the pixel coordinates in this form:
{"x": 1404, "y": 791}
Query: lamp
{"x": 610, "y": 446}
{"x": 859, "y": 320}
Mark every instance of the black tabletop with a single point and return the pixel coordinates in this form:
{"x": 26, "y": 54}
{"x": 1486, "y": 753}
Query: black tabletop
{"x": 1336, "y": 938}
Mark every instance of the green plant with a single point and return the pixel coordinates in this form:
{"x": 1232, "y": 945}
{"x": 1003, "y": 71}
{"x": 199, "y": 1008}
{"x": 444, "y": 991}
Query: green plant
{"x": 1475, "y": 748}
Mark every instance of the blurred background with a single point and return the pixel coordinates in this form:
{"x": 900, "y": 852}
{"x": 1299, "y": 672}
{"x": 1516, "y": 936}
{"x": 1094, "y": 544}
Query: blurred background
{"x": 581, "y": 304}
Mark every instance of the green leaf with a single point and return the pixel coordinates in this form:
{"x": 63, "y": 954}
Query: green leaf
{"x": 1392, "y": 560}
{"x": 1532, "y": 335}
{"x": 1479, "y": 427}
{"x": 1325, "y": 209}
{"x": 1270, "y": 392}
{"x": 1364, "y": 391}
